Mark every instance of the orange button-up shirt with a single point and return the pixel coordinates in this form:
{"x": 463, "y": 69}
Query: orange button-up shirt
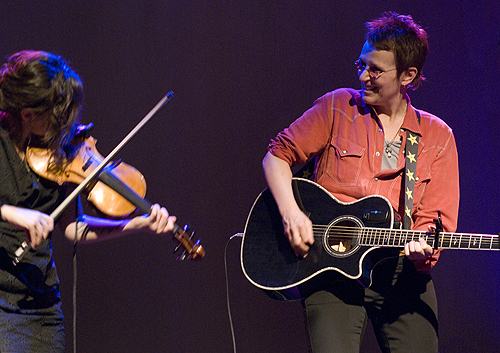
{"x": 347, "y": 139}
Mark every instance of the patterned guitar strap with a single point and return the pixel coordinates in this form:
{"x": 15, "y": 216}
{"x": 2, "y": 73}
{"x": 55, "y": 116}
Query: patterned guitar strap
{"x": 411, "y": 152}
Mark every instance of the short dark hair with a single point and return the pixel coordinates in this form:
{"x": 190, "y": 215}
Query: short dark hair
{"x": 403, "y": 37}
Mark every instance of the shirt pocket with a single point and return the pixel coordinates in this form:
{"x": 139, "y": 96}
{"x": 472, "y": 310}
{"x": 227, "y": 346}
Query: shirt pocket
{"x": 345, "y": 159}
{"x": 423, "y": 178}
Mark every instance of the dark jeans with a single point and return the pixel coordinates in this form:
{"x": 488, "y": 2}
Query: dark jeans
{"x": 401, "y": 305}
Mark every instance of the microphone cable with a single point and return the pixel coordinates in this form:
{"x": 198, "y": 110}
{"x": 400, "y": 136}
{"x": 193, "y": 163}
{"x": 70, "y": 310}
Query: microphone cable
{"x": 227, "y": 290}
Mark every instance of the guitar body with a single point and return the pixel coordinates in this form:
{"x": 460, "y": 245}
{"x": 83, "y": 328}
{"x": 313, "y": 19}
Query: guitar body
{"x": 269, "y": 262}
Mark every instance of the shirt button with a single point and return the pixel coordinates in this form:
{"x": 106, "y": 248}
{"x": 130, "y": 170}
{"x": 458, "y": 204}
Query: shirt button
{"x": 344, "y": 151}
{"x": 377, "y": 153}
{"x": 376, "y": 179}
{"x": 379, "y": 130}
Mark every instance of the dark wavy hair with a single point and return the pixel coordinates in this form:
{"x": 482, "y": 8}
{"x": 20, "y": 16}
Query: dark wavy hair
{"x": 402, "y": 36}
{"x": 43, "y": 83}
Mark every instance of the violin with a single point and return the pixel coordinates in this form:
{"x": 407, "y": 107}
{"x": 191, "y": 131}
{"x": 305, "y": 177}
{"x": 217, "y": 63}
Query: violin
{"x": 104, "y": 198}
{"x": 118, "y": 190}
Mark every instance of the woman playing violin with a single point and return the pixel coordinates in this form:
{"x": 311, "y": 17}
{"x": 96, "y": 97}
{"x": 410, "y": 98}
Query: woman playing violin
{"x": 40, "y": 101}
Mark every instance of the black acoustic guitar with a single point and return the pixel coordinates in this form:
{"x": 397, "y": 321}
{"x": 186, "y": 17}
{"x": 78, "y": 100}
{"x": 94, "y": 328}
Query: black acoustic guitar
{"x": 350, "y": 238}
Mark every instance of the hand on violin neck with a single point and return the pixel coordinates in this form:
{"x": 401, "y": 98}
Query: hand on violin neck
{"x": 158, "y": 221}
{"x": 93, "y": 229}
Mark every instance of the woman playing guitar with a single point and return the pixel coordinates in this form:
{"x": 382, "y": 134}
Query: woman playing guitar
{"x": 358, "y": 139}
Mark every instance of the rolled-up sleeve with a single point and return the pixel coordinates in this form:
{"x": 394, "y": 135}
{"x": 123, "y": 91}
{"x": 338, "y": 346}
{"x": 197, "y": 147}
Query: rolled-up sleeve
{"x": 441, "y": 193}
{"x": 305, "y": 137}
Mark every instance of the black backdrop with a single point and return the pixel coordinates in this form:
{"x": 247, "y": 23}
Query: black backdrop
{"x": 241, "y": 71}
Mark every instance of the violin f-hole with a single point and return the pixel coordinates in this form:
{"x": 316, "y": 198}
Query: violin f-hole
{"x": 87, "y": 164}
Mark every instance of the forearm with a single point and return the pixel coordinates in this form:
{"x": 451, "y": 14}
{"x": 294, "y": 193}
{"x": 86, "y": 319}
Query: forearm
{"x": 93, "y": 229}
{"x": 279, "y": 180}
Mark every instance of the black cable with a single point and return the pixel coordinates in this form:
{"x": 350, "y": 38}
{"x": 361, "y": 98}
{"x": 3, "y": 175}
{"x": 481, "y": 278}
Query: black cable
{"x": 75, "y": 242}
{"x": 227, "y": 290}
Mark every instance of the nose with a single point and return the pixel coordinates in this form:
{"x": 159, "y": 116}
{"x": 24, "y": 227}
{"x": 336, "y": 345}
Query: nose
{"x": 364, "y": 76}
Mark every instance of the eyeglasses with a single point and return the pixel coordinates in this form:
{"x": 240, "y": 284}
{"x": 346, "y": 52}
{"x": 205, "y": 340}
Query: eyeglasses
{"x": 374, "y": 73}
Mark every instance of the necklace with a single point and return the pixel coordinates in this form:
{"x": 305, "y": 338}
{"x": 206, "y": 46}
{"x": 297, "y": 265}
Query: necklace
{"x": 390, "y": 145}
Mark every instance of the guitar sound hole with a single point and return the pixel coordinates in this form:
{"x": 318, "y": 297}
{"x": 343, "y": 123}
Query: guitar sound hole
{"x": 341, "y": 237}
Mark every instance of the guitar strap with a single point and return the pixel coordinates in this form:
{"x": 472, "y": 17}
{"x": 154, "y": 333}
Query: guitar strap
{"x": 307, "y": 170}
{"x": 411, "y": 152}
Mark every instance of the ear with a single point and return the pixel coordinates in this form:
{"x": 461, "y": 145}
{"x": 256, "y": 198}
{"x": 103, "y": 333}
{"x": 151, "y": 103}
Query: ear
{"x": 408, "y": 76}
{"x": 27, "y": 115}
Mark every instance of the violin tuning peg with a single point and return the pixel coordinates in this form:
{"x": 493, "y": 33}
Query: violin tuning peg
{"x": 182, "y": 256}
{"x": 191, "y": 250}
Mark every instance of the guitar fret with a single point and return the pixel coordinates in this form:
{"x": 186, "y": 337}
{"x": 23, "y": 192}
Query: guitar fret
{"x": 474, "y": 243}
{"x": 383, "y": 237}
{"x": 365, "y": 235}
{"x": 393, "y": 237}
{"x": 454, "y": 243}
{"x": 399, "y": 237}
{"x": 379, "y": 238}
{"x": 441, "y": 239}
{"x": 469, "y": 241}
{"x": 362, "y": 236}
{"x": 368, "y": 237}
{"x": 373, "y": 237}
{"x": 402, "y": 238}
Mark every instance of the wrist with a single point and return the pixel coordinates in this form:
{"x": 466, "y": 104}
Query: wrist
{"x": 1, "y": 206}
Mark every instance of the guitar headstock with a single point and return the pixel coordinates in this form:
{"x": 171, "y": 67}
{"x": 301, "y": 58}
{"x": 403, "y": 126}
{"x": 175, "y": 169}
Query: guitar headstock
{"x": 190, "y": 250}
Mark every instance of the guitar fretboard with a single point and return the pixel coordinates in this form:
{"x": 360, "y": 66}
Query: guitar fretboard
{"x": 398, "y": 238}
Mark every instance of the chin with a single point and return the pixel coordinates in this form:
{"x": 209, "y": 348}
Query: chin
{"x": 369, "y": 99}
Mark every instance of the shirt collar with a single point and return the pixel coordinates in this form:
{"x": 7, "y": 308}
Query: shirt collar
{"x": 411, "y": 122}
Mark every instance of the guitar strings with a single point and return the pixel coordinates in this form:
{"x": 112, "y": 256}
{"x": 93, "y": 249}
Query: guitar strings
{"x": 373, "y": 236}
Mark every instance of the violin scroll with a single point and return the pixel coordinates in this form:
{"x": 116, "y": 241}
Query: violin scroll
{"x": 192, "y": 251}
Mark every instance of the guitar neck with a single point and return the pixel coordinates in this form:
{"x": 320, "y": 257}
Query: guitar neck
{"x": 398, "y": 238}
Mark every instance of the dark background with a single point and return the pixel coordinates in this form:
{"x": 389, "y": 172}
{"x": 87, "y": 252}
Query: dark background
{"x": 241, "y": 71}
